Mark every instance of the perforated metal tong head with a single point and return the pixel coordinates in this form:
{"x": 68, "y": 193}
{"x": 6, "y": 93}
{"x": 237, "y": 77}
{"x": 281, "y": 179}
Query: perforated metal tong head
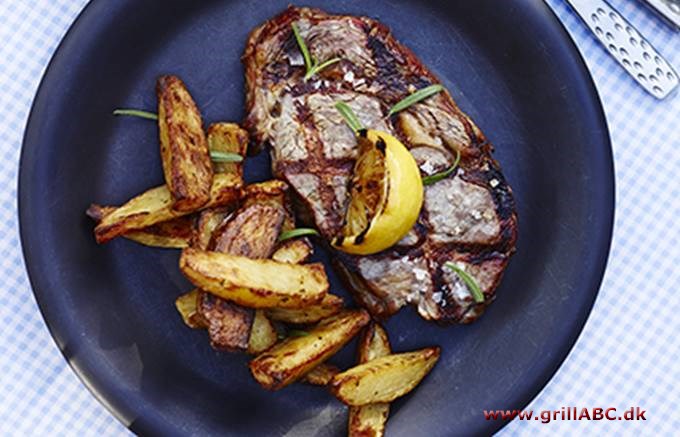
{"x": 635, "y": 54}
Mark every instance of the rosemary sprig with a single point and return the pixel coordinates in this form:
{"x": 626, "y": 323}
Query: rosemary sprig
{"x": 303, "y": 46}
{"x": 416, "y": 97}
{"x": 218, "y": 156}
{"x": 299, "y": 232}
{"x": 318, "y": 67}
{"x": 471, "y": 284}
{"x": 312, "y": 65}
{"x": 431, "y": 179}
{"x": 136, "y": 113}
{"x": 215, "y": 155}
{"x": 349, "y": 116}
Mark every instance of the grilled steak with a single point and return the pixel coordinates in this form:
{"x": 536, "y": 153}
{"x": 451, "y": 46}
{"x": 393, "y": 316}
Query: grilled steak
{"x": 468, "y": 218}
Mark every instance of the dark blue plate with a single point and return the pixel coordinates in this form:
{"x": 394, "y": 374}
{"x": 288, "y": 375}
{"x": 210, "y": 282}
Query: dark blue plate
{"x": 510, "y": 65}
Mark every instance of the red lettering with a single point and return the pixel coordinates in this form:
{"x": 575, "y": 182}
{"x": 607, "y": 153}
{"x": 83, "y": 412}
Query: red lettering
{"x": 613, "y": 416}
{"x": 584, "y": 413}
{"x": 598, "y": 413}
{"x": 491, "y": 415}
{"x": 525, "y": 415}
{"x": 640, "y": 415}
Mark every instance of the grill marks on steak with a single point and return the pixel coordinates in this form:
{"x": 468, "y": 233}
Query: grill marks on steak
{"x": 468, "y": 218}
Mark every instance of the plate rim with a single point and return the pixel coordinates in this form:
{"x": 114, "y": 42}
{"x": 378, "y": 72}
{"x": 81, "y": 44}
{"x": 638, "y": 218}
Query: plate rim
{"x": 84, "y": 373}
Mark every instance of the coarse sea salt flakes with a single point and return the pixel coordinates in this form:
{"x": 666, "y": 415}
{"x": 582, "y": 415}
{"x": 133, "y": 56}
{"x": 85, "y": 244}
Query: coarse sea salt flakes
{"x": 420, "y": 274}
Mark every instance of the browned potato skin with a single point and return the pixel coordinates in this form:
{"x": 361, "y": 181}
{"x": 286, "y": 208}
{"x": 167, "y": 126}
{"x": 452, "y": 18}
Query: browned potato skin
{"x": 321, "y": 374}
{"x": 289, "y": 360}
{"x": 330, "y": 305}
{"x": 272, "y": 192}
{"x": 373, "y": 343}
{"x": 187, "y": 305}
{"x": 383, "y": 379}
{"x": 208, "y": 220}
{"x": 370, "y": 420}
{"x": 229, "y": 138}
{"x": 228, "y": 324}
{"x": 184, "y": 149}
{"x": 173, "y": 234}
{"x": 263, "y": 334}
{"x": 252, "y": 231}
{"x": 255, "y": 283}
{"x": 294, "y": 251}
{"x": 155, "y": 206}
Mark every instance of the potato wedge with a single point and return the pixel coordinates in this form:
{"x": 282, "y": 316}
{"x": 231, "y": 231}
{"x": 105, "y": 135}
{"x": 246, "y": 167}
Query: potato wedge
{"x": 289, "y": 360}
{"x": 252, "y": 231}
{"x": 373, "y": 343}
{"x": 321, "y": 374}
{"x": 173, "y": 234}
{"x": 230, "y": 138}
{"x": 263, "y": 335}
{"x": 296, "y": 251}
{"x": 184, "y": 149}
{"x": 330, "y": 305}
{"x": 370, "y": 419}
{"x": 272, "y": 192}
{"x": 187, "y": 305}
{"x": 255, "y": 283}
{"x": 154, "y": 206}
{"x": 208, "y": 220}
{"x": 229, "y": 325}
{"x": 383, "y": 379}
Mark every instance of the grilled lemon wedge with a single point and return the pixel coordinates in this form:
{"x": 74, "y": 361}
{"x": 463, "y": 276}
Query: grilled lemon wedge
{"x": 386, "y": 194}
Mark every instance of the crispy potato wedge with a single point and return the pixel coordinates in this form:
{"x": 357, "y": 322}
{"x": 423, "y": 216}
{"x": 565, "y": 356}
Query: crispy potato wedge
{"x": 184, "y": 149}
{"x": 373, "y": 343}
{"x": 263, "y": 334}
{"x": 294, "y": 251}
{"x": 254, "y": 283}
{"x": 330, "y": 305}
{"x": 321, "y": 374}
{"x": 229, "y": 325}
{"x": 252, "y": 231}
{"x": 230, "y": 138}
{"x": 383, "y": 379}
{"x": 187, "y": 305}
{"x": 155, "y": 206}
{"x": 97, "y": 212}
{"x": 370, "y": 419}
{"x": 208, "y": 220}
{"x": 173, "y": 234}
{"x": 289, "y": 360}
{"x": 272, "y": 192}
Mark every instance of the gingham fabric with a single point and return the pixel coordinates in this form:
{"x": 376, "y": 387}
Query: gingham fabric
{"x": 627, "y": 355}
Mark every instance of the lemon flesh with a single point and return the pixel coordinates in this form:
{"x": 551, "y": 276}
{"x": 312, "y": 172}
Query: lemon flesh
{"x": 386, "y": 195}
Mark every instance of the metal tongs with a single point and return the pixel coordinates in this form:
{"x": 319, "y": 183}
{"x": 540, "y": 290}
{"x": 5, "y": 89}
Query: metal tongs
{"x": 632, "y": 51}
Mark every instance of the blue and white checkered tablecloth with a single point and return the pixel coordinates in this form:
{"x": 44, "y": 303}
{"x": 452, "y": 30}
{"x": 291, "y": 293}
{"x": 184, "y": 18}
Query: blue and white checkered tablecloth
{"x": 627, "y": 355}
